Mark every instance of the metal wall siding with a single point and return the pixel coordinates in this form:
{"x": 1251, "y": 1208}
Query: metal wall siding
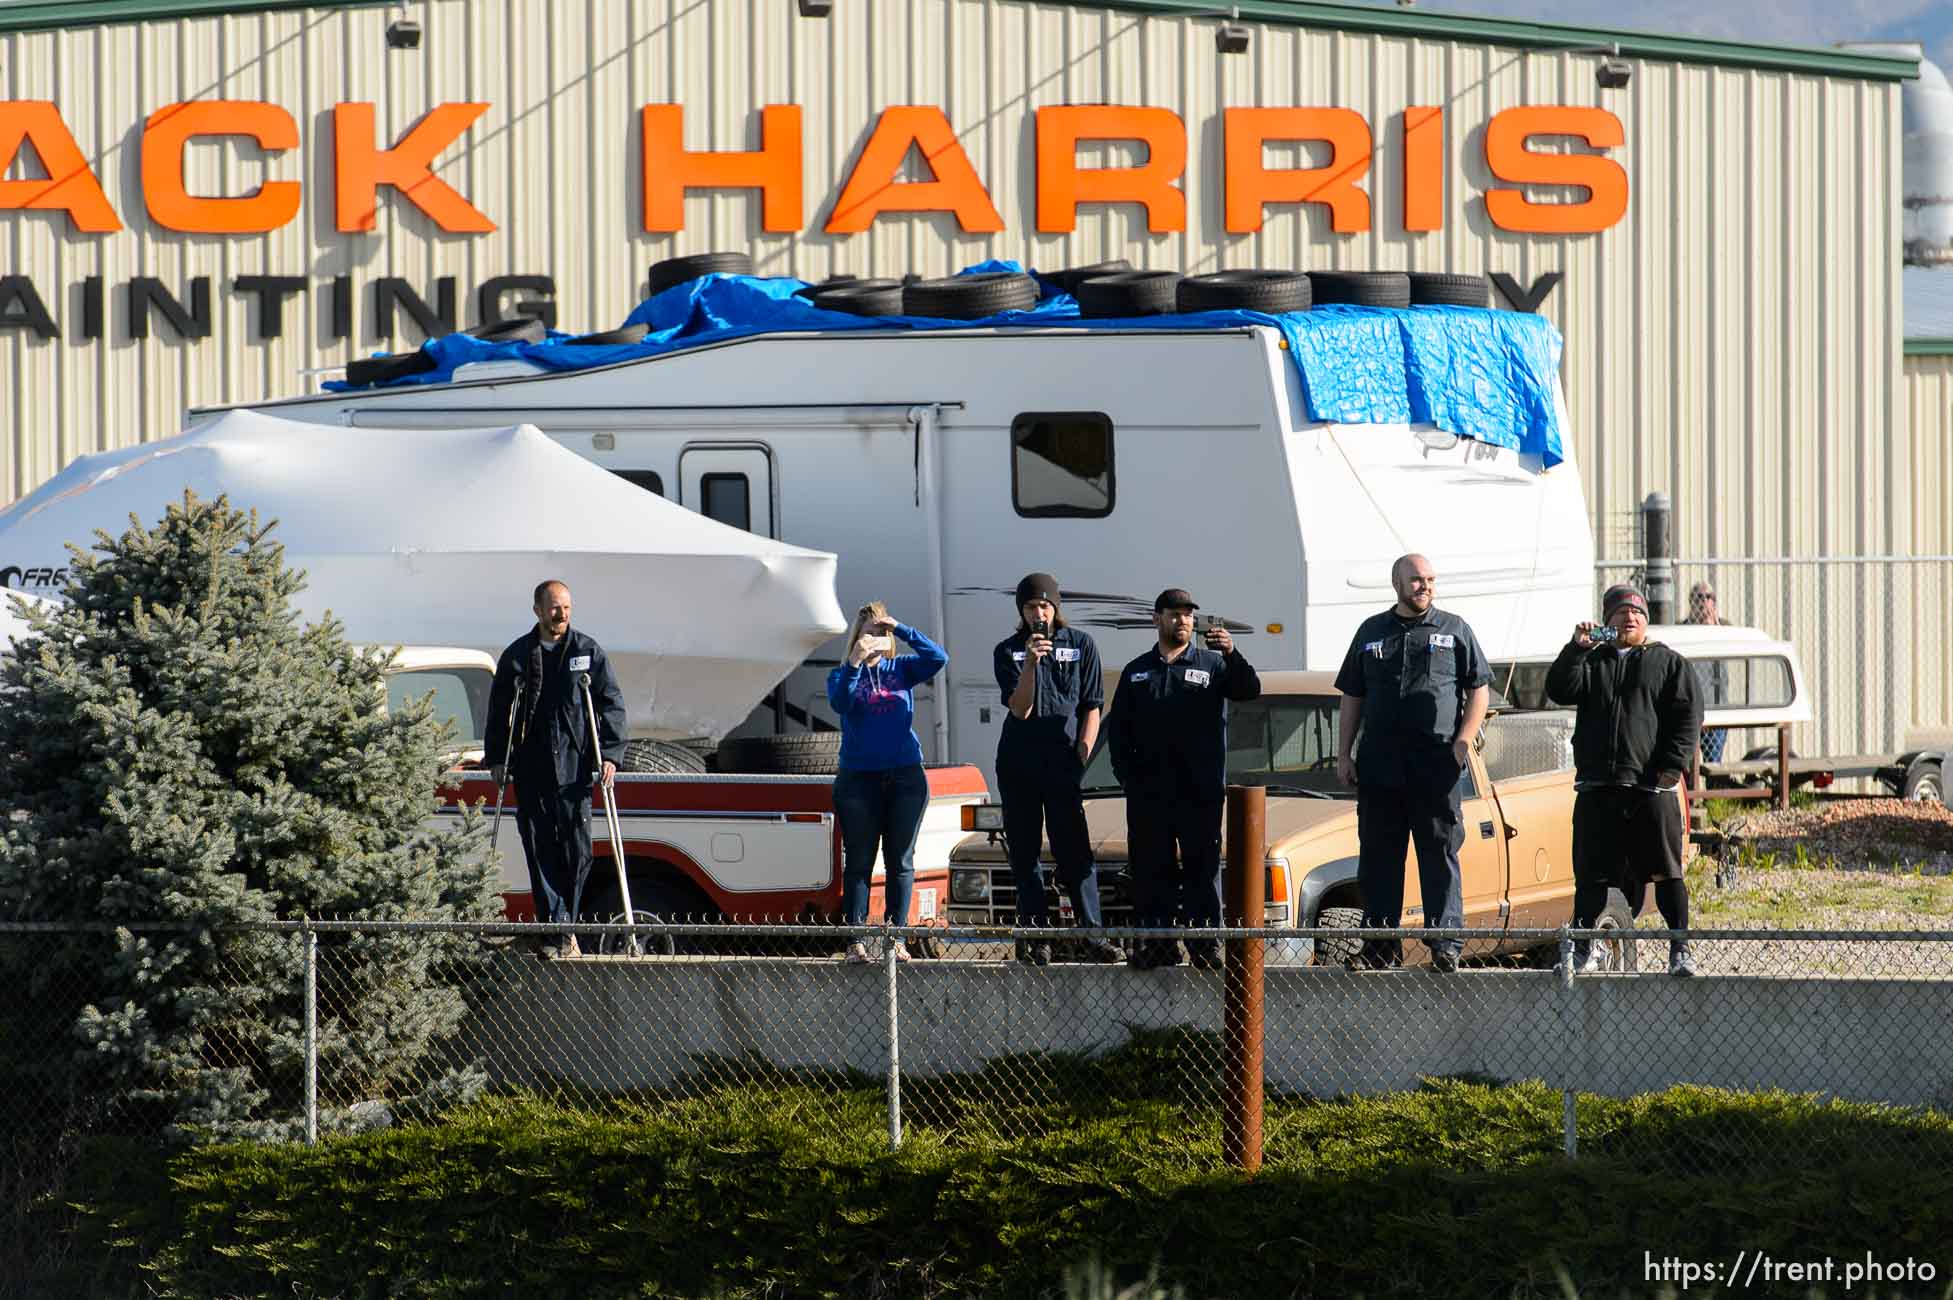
{"x": 1734, "y": 341}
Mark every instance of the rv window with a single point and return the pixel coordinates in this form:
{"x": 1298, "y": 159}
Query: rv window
{"x": 648, "y": 479}
{"x": 726, "y": 498}
{"x": 1061, "y": 464}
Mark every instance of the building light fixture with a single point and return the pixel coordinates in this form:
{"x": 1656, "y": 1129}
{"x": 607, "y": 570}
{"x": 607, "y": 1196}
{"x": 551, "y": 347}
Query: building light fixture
{"x": 403, "y": 32}
{"x": 1232, "y": 36}
{"x": 815, "y": 8}
{"x": 1612, "y": 72}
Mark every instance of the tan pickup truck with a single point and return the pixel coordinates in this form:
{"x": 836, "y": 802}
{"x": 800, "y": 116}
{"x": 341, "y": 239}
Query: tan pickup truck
{"x": 1517, "y": 858}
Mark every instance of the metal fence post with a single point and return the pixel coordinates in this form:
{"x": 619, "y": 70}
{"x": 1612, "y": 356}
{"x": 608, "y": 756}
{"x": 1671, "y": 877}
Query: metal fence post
{"x": 1661, "y": 573}
{"x": 1241, "y": 1012}
{"x": 311, "y": 1035}
{"x": 894, "y": 1048}
{"x": 1569, "y": 1115}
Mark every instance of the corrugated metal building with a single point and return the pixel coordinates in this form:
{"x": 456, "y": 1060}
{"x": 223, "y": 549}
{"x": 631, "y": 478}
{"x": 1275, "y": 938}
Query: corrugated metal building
{"x": 1732, "y": 339}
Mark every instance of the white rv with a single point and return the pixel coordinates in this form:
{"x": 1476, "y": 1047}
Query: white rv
{"x": 941, "y": 466}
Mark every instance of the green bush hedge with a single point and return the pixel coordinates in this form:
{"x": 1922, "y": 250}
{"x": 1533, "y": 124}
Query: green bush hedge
{"x": 1458, "y": 1189}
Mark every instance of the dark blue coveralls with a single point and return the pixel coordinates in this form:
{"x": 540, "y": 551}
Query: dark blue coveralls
{"x": 552, "y": 763}
{"x": 1413, "y": 676}
{"x": 1038, "y": 771}
{"x": 1168, "y": 735}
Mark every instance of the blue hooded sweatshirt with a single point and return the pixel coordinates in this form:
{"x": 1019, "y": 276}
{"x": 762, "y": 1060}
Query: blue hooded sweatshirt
{"x": 877, "y": 708}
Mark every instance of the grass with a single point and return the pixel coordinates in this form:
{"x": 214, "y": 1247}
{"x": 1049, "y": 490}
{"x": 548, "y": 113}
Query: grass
{"x": 1805, "y": 891}
{"x": 1105, "y": 1184}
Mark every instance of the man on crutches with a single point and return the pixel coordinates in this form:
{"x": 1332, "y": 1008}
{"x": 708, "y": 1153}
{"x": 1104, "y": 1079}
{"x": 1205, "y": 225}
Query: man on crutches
{"x": 552, "y": 751}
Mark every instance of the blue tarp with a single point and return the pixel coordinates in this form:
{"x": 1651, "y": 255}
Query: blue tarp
{"x": 1484, "y": 375}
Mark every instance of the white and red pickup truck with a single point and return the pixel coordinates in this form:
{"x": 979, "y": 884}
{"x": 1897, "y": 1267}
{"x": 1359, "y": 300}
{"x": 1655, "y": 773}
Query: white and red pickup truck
{"x": 698, "y": 845}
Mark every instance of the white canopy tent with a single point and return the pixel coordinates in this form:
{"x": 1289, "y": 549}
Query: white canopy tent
{"x": 437, "y": 536}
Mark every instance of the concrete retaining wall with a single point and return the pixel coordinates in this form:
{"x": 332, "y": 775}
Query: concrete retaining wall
{"x": 615, "y": 1025}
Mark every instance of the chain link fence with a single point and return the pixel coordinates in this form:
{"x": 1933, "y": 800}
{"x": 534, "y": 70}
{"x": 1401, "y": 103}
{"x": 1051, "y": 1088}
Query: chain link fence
{"x": 943, "y": 1032}
{"x": 1869, "y": 630}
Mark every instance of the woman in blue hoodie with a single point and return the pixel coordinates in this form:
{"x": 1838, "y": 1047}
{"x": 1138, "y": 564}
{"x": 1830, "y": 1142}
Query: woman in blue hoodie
{"x": 881, "y": 791}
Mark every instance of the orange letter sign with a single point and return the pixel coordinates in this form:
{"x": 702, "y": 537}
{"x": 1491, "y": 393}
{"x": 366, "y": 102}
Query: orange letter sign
{"x": 872, "y": 190}
{"x": 1604, "y": 179}
{"x": 670, "y": 170}
{"x": 170, "y": 204}
{"x": 1062, "y": 186}
{"x": 1424, "y": 169}
{"x": 361, "y": 167}
{"x": 70, "y": 186}
{"x": 1250, "y": 184}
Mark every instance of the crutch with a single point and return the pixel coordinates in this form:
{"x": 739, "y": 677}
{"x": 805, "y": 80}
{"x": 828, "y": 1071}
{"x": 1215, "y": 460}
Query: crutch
{"x": 502, "y": 786}
{"x": 610, "y": 820}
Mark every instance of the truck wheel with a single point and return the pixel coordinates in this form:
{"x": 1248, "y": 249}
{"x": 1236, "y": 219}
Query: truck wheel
{"x": 619, "y": 337}
{"x": 517, "y": 329}
{"x": 971, "y": 297}
{"x": 1269, "y": 291}
{"x": 1337, "y": 951}
{"x": 806, "y": 753}
{"x": 1072, "y": 276}
{"x": 660, "y": 756}
{"x": 1622, "y": 953}
{"x": 386, "y": 369}
{"x": 677, "y": 270}
{"x": 862, "y": 298}
{"x": 1128, "y": 293}
{"x": 1363, "y": 288}
{"x": 1428, "y": 289}
{"x": 1925, "y": 782}
{"x": 610, "y": 944}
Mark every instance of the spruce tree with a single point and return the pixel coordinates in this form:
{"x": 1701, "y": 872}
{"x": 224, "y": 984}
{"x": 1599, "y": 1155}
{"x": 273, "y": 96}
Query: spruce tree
{"x": 176, "y": 748}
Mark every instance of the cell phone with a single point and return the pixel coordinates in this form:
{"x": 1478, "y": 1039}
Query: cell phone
{"x": 885, "y": 644}
{"x": 1601, "y": 634}
{"x": 1041, "y": 627}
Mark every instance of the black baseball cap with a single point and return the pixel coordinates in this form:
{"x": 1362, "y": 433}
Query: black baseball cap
{"x": 1173, "y": 598}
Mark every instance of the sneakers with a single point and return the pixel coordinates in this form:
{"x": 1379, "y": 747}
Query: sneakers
{"x": 857, "y": 953}
{"x": 1104, "y": 952}
{"x": 1206, "y": 957}
{"x": 901, "y": 947}
{"x": 1034, "y": 952}
{"x": 1444, "y": 960}
{"x": 1681, "y": 962}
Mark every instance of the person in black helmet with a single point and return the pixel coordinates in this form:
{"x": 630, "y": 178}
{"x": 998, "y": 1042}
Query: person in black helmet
{"x": 550, "y": 758}
{"x": 1168, "y": 737}
{"x": 1053, "y": 691}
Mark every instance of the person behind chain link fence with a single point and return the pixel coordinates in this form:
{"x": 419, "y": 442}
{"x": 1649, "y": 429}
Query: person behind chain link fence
{"x": 1713, "y": 675}
{"x": 1167, "y": 734}
{"x": 1416, "y": 684}
{"x": 1634, "y": 735}
{"x": 549, "y": 750}
{"x": 881, "y": 790}
{"x": 1054, "y": 693}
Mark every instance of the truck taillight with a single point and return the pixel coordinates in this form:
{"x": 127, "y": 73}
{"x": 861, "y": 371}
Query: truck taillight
{"x": 983, "y": 817}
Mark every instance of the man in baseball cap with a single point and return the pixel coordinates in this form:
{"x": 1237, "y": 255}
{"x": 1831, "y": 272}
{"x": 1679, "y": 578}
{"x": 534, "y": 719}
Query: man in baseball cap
{"x": 1168, "y": 738}
{"x": 1640, "y": 716}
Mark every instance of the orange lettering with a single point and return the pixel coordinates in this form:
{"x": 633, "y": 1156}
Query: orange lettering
{"x": 1604, "y": 179}
{"x": 171, "y": 205}
{"x": 70, "y": 185}
{"x": 1250, "y": 183}
{"x": 1424, "y": 169}
{"x": 670, "y": 169}
{"x": 360, "y": 167}
{"x": 1062, "y": 186}
{"x": 872, "y": 190}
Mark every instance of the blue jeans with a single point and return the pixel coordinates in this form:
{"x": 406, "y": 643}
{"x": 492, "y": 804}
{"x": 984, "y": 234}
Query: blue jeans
{"x": 885, "y": 809}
